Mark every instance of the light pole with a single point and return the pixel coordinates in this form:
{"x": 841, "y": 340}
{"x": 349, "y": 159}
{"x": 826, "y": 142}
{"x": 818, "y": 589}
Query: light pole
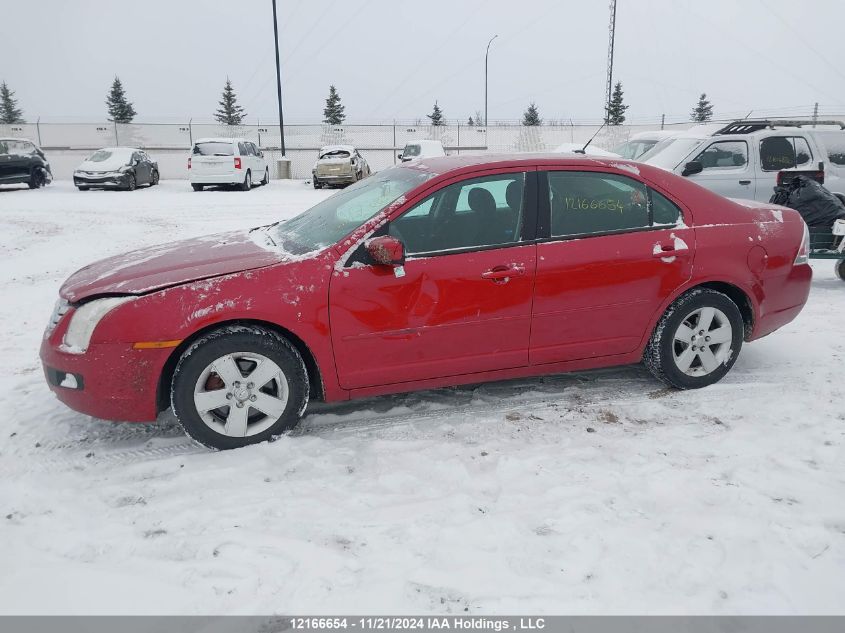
{"x": 485, "y": 80}
{"x": 279, "y": 78}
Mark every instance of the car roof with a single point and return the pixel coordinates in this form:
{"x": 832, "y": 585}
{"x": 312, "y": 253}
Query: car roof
{"x": 444, "y": 164}
{"x": 332, "y": 148}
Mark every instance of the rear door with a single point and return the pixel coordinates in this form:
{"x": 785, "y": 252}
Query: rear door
{"x": 462, "y": 302}
{"x": 779, "y": 152}
{"x": 727, "y": 169}
{"x": 616, "y": 250}
{"x": 212, "y": 158}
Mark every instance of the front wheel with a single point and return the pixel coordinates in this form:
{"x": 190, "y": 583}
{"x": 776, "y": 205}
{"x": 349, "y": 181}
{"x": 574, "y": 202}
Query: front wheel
{"x": 37, "y": 179}
{"x": 154, "y": 178}
{"x": 239, "y": 385}
{"x": 131, "y": 183}
{"x": 697, "y": 340}
{"x": 839, "y": 268}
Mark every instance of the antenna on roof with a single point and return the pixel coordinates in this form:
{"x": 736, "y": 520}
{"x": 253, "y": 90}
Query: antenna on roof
{"x": 583, "y": 150}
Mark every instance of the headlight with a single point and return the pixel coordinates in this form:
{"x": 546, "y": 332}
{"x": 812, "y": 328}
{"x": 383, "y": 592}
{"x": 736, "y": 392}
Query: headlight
{"x": 59, "y": 310}
{"x": 85, "y": 320}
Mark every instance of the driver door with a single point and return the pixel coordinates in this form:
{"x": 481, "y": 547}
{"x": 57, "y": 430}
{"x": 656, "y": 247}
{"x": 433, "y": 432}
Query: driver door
{"x": 461, "y": 304}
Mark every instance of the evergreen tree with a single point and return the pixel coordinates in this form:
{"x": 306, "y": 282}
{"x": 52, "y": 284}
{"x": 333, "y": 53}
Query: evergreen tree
{"x": 703, "y": 110}
{"x": 9, "y": 110}
{"x": 616, "y": 108}
{"x": 532, "y": 116}
{"x": 333, "y": 112}
{"x": 470, "y": 122}
{"x": 436, "y": 115}
{"x": 229, "y": 112}
{"x": 120, "y": 109}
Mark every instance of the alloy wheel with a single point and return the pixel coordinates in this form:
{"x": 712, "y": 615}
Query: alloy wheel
{"x": 702, "y": 341}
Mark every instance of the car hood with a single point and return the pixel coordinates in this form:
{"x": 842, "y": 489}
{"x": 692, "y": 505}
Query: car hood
{"x": 112, "y": 163}
{"x": 157, "y": 267}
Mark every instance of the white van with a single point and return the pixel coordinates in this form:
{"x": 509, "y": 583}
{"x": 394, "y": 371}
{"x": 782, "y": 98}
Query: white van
{"x": 227, "y": 161}
{"x": 423, "y": 148}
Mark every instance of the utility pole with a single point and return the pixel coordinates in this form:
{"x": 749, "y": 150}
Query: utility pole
{"x": 662, "y": 121}
{"x": 485, "y": 81}
{"x": 815, "y": 113}
{"x": 279, "y": 78}
{"x": 610, "y": 61}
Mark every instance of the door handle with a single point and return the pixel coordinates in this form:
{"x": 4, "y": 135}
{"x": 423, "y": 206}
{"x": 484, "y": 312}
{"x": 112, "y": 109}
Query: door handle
{"x": 745, "y": 182}
{"x": 669, "y": 250}
{"x": 502, "y": 274}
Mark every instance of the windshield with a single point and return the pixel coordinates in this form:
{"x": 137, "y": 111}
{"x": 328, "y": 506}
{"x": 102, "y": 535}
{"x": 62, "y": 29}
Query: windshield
{"x": 102, "y": 155}
{"x": 634, "y": 149}
{"x": 214, "y": 148}
{"x": 669, "y": 152}
{"x": 411, "y": 150}
{"x": 342, "y": 213}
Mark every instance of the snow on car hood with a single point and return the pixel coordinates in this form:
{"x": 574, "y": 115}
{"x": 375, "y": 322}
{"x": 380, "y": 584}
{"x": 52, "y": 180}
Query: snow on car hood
{"x": 158, "y": 267}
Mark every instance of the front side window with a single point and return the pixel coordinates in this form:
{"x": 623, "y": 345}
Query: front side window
{"x": 480, "y": 212}
{"x": 411, "y": 150}
{"x": 594, "y": 202}
{"x": 335, "y": 217}
{"x": 724, "y": 155}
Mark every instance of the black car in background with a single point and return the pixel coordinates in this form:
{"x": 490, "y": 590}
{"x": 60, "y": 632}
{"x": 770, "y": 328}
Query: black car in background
{"x": 22, "y": 161}
{"x": 116, "y": 168}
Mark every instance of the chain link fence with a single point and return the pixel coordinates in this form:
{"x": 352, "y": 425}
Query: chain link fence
{"x": 68, "y": 143}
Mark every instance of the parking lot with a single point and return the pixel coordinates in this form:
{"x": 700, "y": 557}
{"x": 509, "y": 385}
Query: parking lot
{"x": 528, "y": 496}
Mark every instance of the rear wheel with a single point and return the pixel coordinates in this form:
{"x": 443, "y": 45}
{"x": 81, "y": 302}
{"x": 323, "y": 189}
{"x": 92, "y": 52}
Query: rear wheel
{"x": 239, "y": 385}
{"x": 246, "y": 185}
{"x": 839, "y": 267}
{"x": 697, "y": 340}
{"x": 266, "y": 178}
{"x": 197, "y": 187}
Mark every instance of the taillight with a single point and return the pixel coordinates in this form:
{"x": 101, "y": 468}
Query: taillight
{"x": 189, "y": 163}
{"x": 237, "y": 162}
{"x": 803, "y": 256}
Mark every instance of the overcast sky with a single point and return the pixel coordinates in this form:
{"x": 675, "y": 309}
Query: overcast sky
{"x": 392, "y": 59}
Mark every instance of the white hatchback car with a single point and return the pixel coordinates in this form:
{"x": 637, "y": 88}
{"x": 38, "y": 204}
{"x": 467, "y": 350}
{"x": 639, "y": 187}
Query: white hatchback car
{"x": 227, "y": 161}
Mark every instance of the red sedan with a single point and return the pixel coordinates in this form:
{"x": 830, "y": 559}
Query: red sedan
{"x": 444, "y": 271}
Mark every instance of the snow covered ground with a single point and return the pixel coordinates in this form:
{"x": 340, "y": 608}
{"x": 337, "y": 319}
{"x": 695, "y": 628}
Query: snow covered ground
{"x": 597, "y": 492}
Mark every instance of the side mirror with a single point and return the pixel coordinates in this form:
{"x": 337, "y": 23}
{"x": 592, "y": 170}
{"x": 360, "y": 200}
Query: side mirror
{"x": 692, "y": 167}
{"x": 386, "y": 250}
{"x": 399, "y": 155}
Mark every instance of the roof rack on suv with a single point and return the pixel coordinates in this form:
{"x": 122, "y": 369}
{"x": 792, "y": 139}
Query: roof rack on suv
{"x": 746, "y": 126}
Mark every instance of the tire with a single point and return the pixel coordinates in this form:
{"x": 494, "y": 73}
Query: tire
{"x": 317, "y": 184}
{"x": 36, "y": 179}
{"x": 839, "y": 269}
{"x": 83, "y": 188}
{"x": 196, "y": 187}
{"x": 131, "y": 183}
{"x": 154, "y": 178}
{"x": 284, "y": 392}
{"x": 246, "y": 185}
{"x": 668, "y": 355}
{"x": 266, "y": 179}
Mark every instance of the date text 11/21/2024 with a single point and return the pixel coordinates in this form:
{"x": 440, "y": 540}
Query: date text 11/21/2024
{"x": 434, "y": 623}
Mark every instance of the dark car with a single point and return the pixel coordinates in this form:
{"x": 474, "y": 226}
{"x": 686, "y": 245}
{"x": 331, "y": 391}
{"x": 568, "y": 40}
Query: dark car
{"x": 116, "y": 168}
{"x": 22, "y": 161}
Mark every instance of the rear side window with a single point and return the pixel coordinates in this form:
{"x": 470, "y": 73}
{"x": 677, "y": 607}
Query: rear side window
{"x": 213, "y": 148}
{"x": 724, "y": 155}
{"x": 663, "y": 210}
{"x": 784, "y": 152}
{"x": 834, "y": 142}
{"x": 593, "y": 202}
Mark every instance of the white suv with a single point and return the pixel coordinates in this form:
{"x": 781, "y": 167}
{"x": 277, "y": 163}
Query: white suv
{"x": 742, "y": 159}
{"x": 227, "y": 161}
